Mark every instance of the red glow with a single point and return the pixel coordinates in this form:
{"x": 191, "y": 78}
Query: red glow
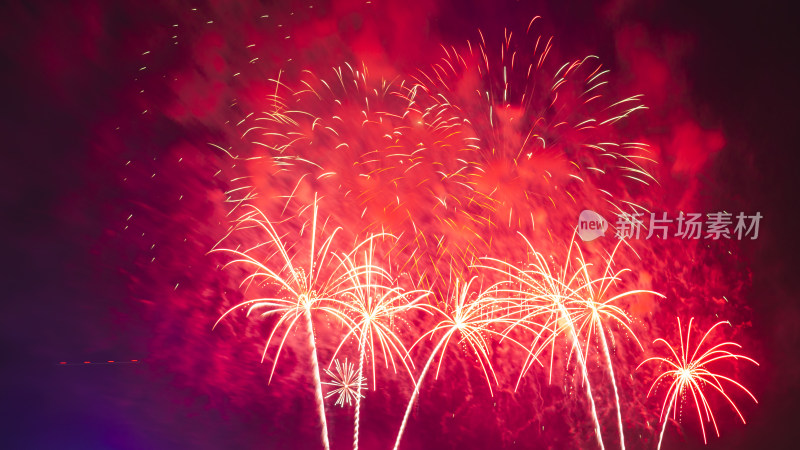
{"x": 499, "y": 141}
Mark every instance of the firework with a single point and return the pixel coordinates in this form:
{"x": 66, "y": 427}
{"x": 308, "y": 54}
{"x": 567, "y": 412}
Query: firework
{"x": 302, "y": 290}
{"x": 493, "y": 139}
{"x": 347, "y": 383}
{"x": 598, "y": 311}
{"x": 442, "y": 168}
{"x": 688, "y": 372}
{"x": 571, "y": 301}
{"x": 372, "y": 306}
{"x": 387, "y": 163}
{"x": 545, "y": 307}
{"x": 545, "y": 132}
{"x": 468, "y": 316}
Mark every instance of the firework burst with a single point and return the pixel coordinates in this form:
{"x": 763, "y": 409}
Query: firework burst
{"x": 302, "y": 289}
{"x": 468, "y": 317}
{"x": 347, "y": 383}
{"x": 689, "y": 373}
{"x": 372, "y": 307}
{"x": 545, "y": 132}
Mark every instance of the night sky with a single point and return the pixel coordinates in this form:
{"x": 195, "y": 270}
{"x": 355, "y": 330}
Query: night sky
{"x": 720, "y": 80}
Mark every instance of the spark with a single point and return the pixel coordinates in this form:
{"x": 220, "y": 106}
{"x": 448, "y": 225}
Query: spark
{"x": 688, "y": 372}
{"x": 304, "y": 289}
{"x": 372, "y": 306}
{"x": 347, "y": 383}
{"x": 469, "y": 317}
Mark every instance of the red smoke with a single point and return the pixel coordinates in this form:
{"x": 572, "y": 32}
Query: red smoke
{"x": 196, "y": 91}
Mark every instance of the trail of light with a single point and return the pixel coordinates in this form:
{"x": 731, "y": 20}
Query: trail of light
{"x": 357, "y": 414}
{"x": 597, "y": 309}
{"x": 663, "y": 427}
{"x": 415, "y": 394}
{"x": 304, "y": 291}
{"x": 610, "y": 367}
{"x": 320, "y": 400}
{"x": 585, "y": 373}
{"x": 689, "y": 371}
{"x": 372, "y": 305}
{"x": 469, "y": 315}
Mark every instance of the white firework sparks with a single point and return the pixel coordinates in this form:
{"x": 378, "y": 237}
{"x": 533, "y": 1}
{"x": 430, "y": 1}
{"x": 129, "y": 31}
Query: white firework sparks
{"x": 347, "y": 383}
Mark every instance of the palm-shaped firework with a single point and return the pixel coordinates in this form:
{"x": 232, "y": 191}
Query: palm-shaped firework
{"x": 303, "y": 287}
{"x": 597, "y": 310}
{"x": 371, "y": 306}
{"x": 568, "y": 300}
{"x": 544, "y": 305}
{"x": 466, "y": 317}
{"x": 689, "y": 371}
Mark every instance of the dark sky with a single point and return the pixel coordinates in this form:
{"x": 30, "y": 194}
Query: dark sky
{"x": 67, "y": 71}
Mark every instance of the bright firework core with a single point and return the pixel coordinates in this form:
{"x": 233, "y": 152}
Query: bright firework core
{"x": 373, "y": 225}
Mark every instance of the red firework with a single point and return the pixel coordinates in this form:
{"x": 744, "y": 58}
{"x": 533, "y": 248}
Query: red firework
{"x": 440, "y": 170}
{"x": 689, "y": 372}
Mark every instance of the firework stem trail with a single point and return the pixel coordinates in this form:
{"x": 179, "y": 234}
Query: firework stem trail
{"x": 416, "y": 391}
{"x": 614, "y": 384}
{"x": 585, "y": 374}
{"x": 358, "y": 392}
{"x": 664, "y": 427}
{"x": 317, "y": 381}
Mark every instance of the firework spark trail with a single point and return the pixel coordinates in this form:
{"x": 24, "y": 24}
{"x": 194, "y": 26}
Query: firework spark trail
{"x": 688, "y": 371}
{"x": 597, "y": 309}
{"x": 586, "y": 382}
{"x": 318, "y": 396}
{"x": 304, "y": 290}
{"x": 357, "y": 414}
{"x": 610, "y": 367}
{"x": 469, "y": 315}
{"x": 415, "y": 394}
{"x": 663, "y": 427}
{"x": 570, "y": 326}
{"x": 372, "y": 306}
